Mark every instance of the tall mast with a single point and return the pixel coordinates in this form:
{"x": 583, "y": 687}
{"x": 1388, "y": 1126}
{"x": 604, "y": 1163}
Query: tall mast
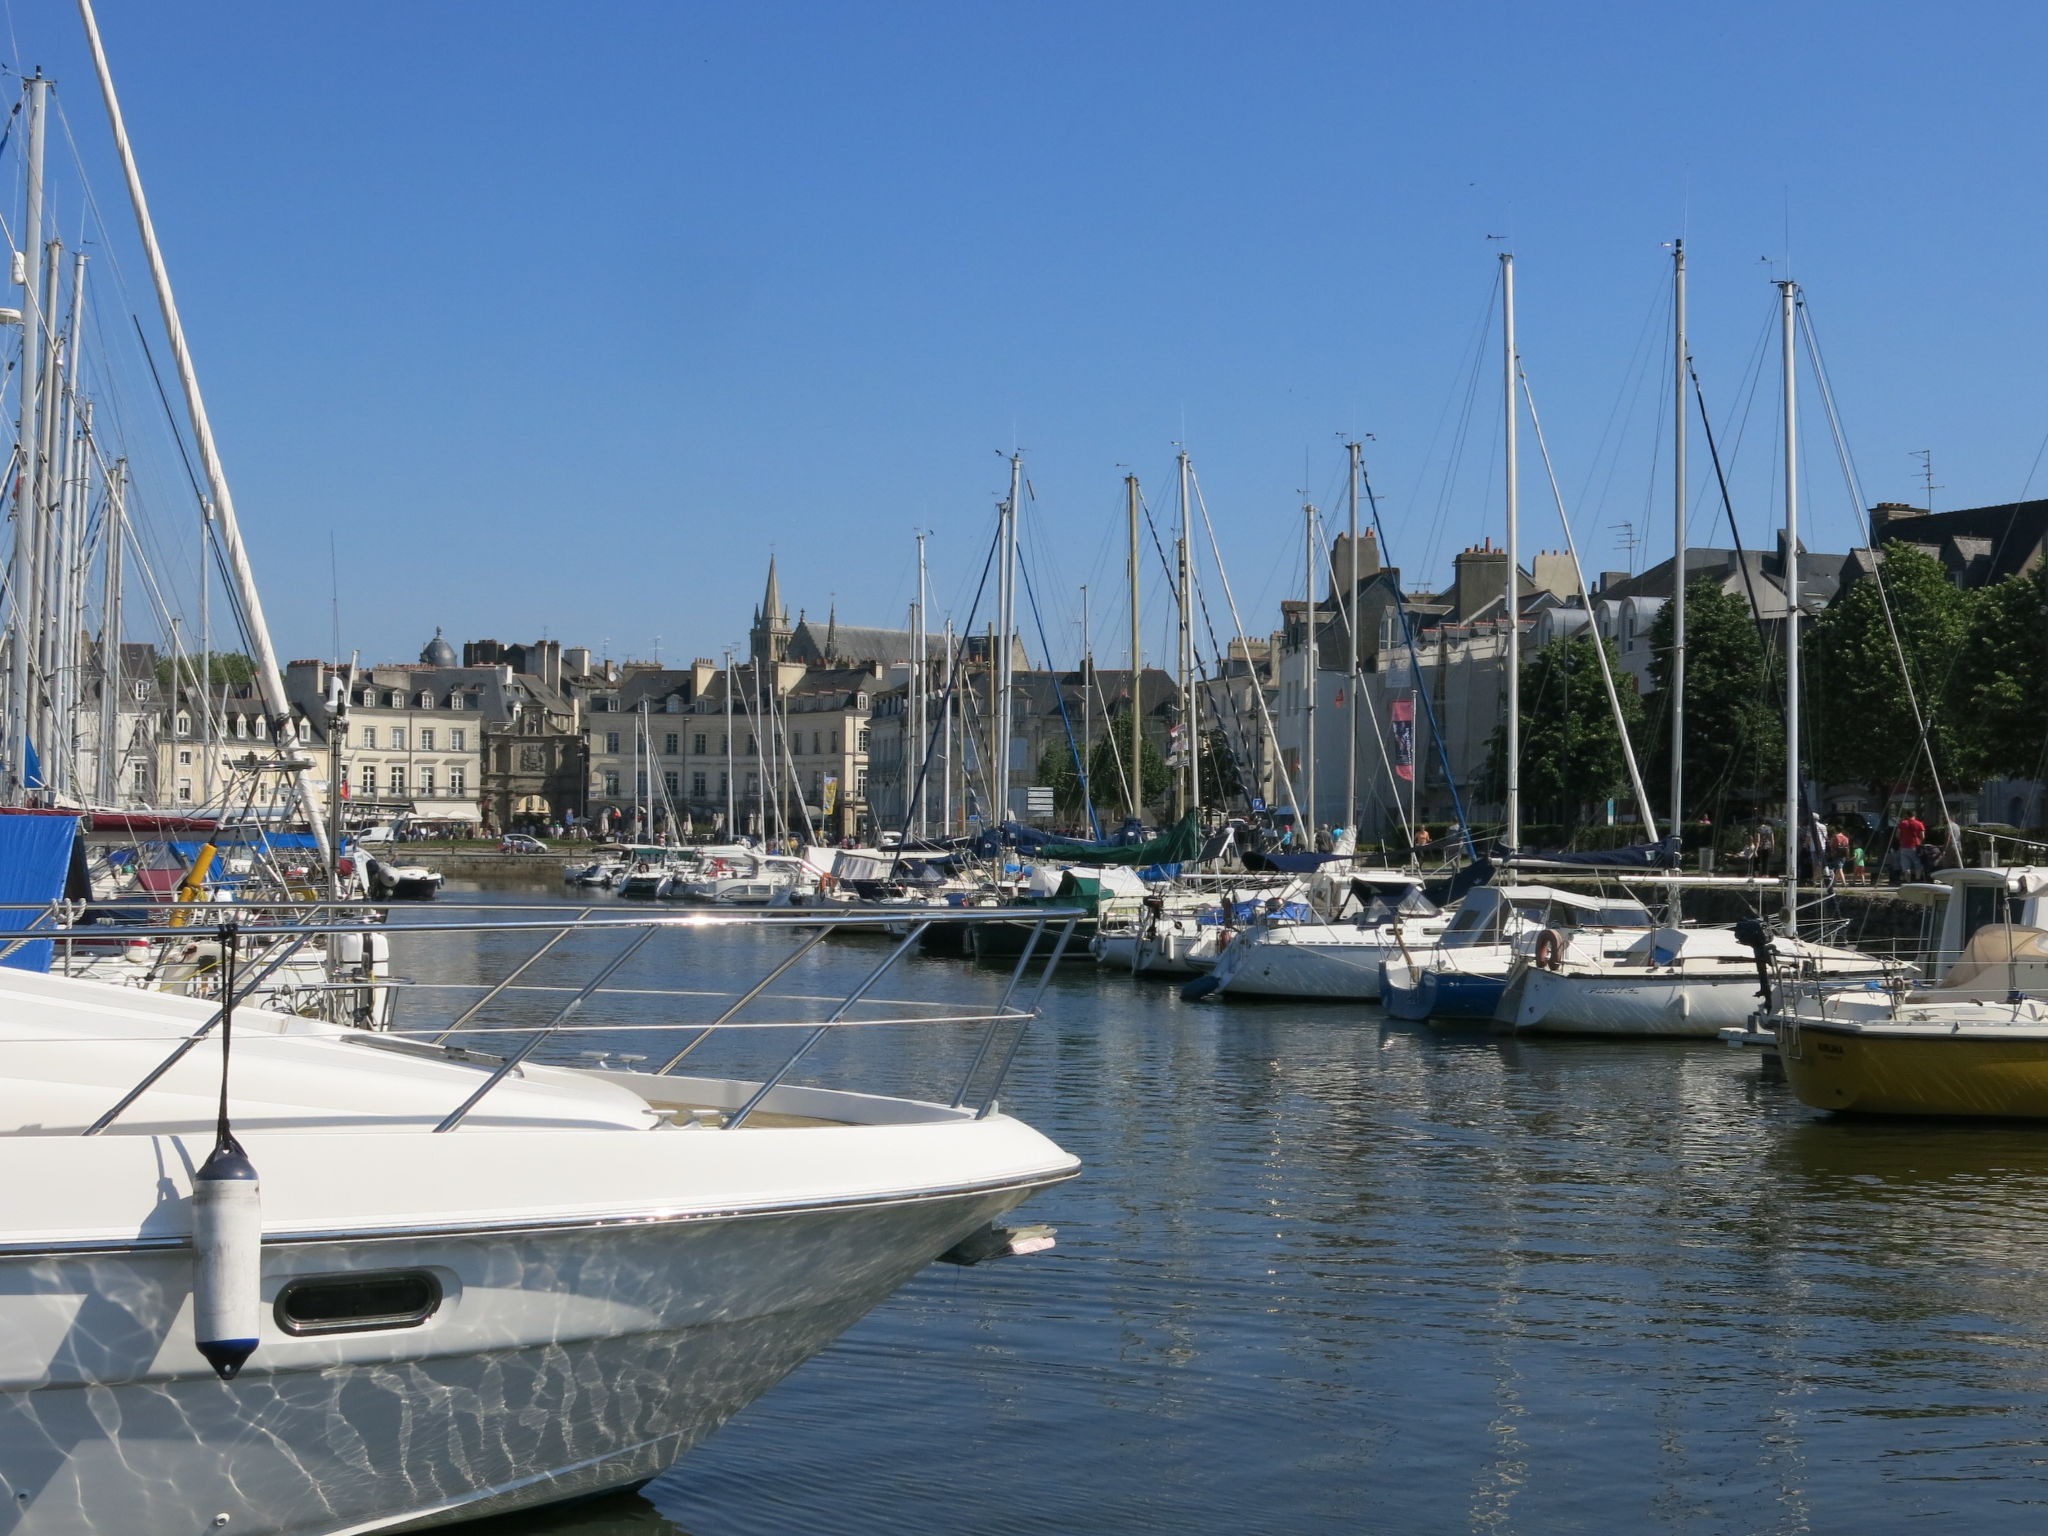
{"x": 1679, "y": 360}
{"x": 732, "y": 830}
{"x": 112, "y": 675}
{"x": 270, "y": 681}
{"x": 1305, "y": 816}
{"x": 1186, "y": 783}
{"x": 49, "y": 555}
{"x": 28, "y": 494}
{"x": 1137, "y": 773}
{"x": 919, "y": 696}
{"x": 1006, "y": 624}
{"x": 1087, "y": 706}
{"x": 1513, "y": 615}
{"x": 1351, "y": 708}
{"x": 1788, "y": 301}
{"x": 946, "y": 736}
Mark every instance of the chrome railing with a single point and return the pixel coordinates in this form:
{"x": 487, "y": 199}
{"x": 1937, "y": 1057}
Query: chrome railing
{"x": 267, "y": 938}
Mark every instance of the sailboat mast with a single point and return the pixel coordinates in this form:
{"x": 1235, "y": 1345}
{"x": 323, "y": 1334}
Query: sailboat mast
{"x": 1788, "y": 301}
{"x": 946, "y": 734}
{"x": 270, "y": 681}
{"x": 28, "y": 493}
{"x": 732, "y": 830}
{"x": 1513, "y": 615}
{"x": 1006, "y": 624}
{"x": 1679, "y": 360}
{"x": 920, "y": 697}
{"x": 112, "y": 675}
{"x": 1351, "y": 707}
{"x": 1137, "y": 773}
{"x": 1087, "y": 706}
{"x": 1305, "y": 816}
{"x": 1187, "y": 788}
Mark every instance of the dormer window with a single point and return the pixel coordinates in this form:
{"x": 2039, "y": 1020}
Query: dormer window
{"x": 426, "y": 699}
{"x": 183, "y": 725}
{"x": 455, "y": 701}
{"x": 368, "y": 699}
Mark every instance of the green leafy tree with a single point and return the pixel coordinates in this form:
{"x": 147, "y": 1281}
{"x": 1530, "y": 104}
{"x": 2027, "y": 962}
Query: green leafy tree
{"x": 1999, "y": 684}
{"x": 1108, "y": 769}
{"x": 1734, "y": 725}
{"x": 1859, "y": 717}
{"x": 1056, "y": 771}
{"x": 1222, "y": 786}
{"x": 1572, "y": 758}
{"x": 232, "y": 668}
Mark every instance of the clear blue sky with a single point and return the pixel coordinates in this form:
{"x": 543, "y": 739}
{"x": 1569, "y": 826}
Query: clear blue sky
{"x": 557, "y": 316}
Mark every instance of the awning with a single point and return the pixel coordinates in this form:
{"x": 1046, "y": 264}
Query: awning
{"x": 446, "y": 810}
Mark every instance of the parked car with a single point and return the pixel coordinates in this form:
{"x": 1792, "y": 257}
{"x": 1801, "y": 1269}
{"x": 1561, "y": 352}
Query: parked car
{"x": 519, "y": 842}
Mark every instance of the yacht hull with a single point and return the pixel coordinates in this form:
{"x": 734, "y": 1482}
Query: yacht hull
{"x": 1256, "y": 965}
{"x": 1917, "y": 1071}
{"x": 559, "y": 1364}
{"x": 1668, "y": 1006}
{"x": 1414, "y": 994}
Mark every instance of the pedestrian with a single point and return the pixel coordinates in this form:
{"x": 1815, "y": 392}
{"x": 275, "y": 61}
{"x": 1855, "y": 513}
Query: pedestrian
{"x": 1838, "y": 856}
{"x": 1766, "y": 843}
{"x": 1912, "y": 833}
{"x": 1862, "y": 875}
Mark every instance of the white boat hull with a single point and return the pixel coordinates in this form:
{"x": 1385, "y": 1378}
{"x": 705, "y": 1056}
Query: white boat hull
{"x": 1272, "y": 963}
{"x": 1673, "y": 1006}
{"x": 560, "y": 1364}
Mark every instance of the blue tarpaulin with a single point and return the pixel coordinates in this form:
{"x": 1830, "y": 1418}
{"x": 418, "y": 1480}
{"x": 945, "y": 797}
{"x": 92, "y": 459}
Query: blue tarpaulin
{"x": 35, "y": 857}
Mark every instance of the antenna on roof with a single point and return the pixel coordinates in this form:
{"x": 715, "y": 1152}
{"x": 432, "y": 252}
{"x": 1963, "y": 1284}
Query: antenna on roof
{"x": 1926, "y": 458}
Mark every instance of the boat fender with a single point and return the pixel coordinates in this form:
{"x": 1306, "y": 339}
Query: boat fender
{"x": 227, "y": 1258}
{"x": 1549, "y": 949}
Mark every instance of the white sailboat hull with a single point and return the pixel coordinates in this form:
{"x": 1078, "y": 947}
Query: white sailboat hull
{"x": 1673, "y": 1006}
{"x": 1340, "y": 963}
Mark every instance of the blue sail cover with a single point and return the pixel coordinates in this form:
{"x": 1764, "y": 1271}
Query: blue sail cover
{"x": 35, "y": 858}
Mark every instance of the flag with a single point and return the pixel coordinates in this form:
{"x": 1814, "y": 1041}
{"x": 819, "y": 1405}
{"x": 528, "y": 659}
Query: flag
{"x": 1402, "y": 713}
{"x": 831, "y": 794}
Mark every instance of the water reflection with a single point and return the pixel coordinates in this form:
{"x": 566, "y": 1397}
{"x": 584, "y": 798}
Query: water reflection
{"x": 1325, "y": 1273}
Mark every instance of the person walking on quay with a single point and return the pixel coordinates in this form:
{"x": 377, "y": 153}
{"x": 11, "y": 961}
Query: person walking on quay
{"x": 1766, "y": 841}
{"x": 1912, "y": 832}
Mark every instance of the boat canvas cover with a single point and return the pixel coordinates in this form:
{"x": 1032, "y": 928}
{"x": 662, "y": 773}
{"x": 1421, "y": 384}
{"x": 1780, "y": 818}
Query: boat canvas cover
{"x": 35, "y": 859}
{"x": 1178, "y": 844}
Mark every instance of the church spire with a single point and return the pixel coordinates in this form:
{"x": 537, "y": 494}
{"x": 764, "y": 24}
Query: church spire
{"x": 771, "y": 630}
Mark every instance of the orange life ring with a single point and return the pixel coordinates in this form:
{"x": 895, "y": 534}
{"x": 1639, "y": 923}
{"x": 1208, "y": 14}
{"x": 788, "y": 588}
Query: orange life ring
{"x": 1549, "y": 949}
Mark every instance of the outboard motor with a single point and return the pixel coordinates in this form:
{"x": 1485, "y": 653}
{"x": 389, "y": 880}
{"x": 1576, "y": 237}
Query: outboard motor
{"x": 1753, "y": 932}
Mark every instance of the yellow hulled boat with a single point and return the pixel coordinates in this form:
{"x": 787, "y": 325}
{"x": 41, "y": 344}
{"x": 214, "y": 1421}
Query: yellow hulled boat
{"x": 1977, "y": 1044}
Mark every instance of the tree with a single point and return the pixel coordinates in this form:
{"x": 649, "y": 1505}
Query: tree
{"x": 1859, "y": 716}
{"x": 1222, "y": 785}
{"x": 1056, "y": 771}
{"x": 2000, "y": 678}
{"x": 1734, "y": 722}
{"x": 231, "y": 668}
{"x": 1572, "y": 758}
{"x": 1108, "y": 772}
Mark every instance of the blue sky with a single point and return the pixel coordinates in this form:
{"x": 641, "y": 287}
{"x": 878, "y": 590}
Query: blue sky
{"x": 558, "y": 318}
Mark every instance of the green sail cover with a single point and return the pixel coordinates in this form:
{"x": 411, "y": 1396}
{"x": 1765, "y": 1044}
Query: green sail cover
{"x": 1177, "y": 845}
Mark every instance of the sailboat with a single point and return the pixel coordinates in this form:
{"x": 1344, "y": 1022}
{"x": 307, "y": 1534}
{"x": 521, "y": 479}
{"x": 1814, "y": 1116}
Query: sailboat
{"x": 1680, "y": 981}
{"x": 1464, "y": 974}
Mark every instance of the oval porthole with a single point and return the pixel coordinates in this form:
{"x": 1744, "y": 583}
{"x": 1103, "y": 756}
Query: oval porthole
{"x": 359, "y": 1303}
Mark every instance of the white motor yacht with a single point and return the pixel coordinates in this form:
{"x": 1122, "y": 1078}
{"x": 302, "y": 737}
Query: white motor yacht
{"x": 479, "y": 1283}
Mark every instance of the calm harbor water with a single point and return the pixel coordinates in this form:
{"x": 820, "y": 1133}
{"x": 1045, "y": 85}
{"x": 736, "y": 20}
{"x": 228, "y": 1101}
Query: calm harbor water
{"x": 1328, "y": 1273}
